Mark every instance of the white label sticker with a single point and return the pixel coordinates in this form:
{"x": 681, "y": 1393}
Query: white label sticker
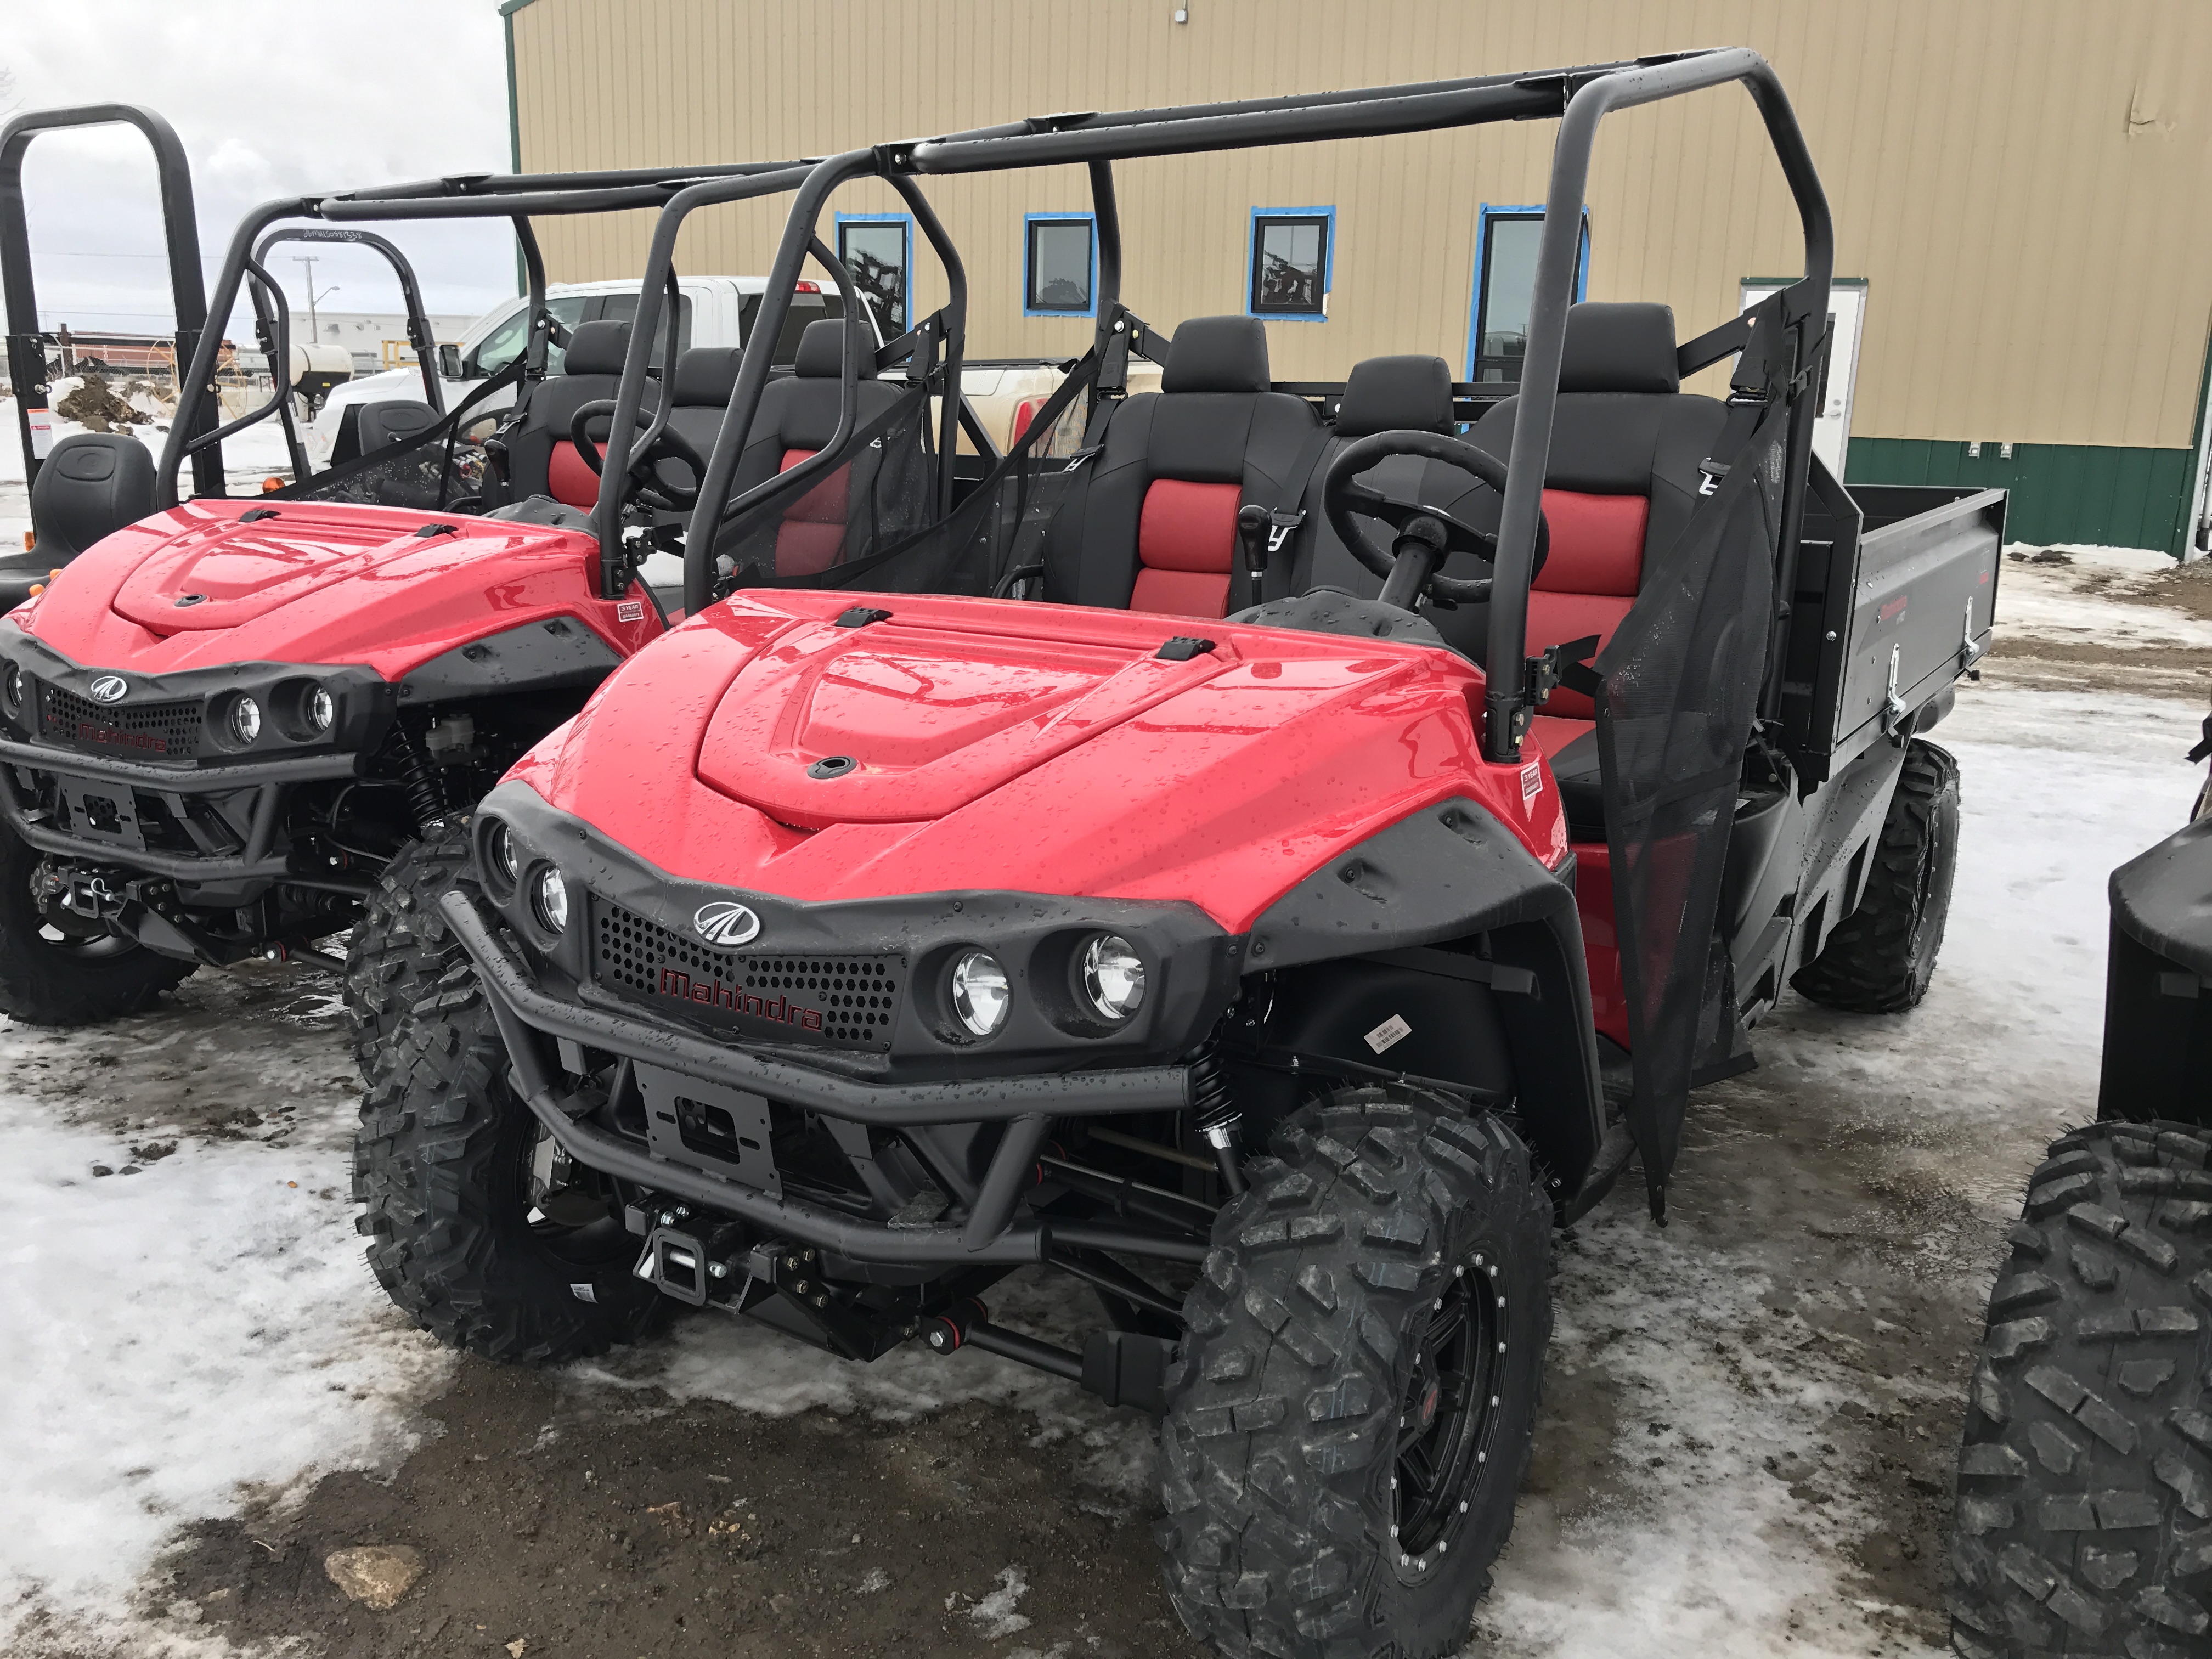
{"x": 629, "y": 611}
{"x": 42, "y": 432}
{"x": 1532, "y": 784}
{"x": 1393, "y": 1029}
{"x": 585, "y": 1292}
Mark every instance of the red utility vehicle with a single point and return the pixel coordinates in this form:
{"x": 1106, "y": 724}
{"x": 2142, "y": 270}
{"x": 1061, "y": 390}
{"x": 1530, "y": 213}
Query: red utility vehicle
{"x": 237, "y": 727}
{"x": 847, "y": 953}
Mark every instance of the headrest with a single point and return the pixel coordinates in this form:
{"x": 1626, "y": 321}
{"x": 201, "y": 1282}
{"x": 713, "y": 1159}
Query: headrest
{"x": 1388, "y": 394}
{"x": 597, "y": 347}
{"x": 821, "y": 355}
{"x": 706, "y": 376}
{"x": 1217, "y": 353}
{"x": 1623, "y": 346}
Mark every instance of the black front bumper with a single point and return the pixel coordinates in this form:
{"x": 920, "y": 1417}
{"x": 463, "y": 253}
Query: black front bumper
{"x": 532, "y": 1023}
{"x": 224, "y": 798}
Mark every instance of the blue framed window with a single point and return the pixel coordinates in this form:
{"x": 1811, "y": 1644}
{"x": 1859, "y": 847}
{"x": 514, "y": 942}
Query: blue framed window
{"x": 1060, "y": 264}
{"x": 877, "y": 248}
{"x": 1289, "y": 259}
{"x": 1505, "y": 244}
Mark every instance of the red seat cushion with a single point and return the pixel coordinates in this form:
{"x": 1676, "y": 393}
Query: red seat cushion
{"x": 572, "y": 483}
{"x": 812, "y": 534}
{"x": 1186, "y": 546}
{"x": 1590, "y": 580}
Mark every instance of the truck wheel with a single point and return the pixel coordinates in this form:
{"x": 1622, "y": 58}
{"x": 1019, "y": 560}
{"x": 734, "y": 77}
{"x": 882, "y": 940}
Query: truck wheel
{"x": 1354, "y": 1405}
{"x": 476, "y": 1226}
{"x": 401, "y": 944}
{"x": 1879, "y": 959}
{"x": 57, "y": 969}
{"x": 2085, "y": 1477}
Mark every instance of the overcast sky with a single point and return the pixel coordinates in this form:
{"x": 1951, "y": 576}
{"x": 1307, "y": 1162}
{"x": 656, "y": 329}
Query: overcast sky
{"x": 271, "y": 98}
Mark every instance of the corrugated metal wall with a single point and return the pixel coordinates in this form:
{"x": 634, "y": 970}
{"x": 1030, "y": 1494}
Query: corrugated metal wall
{"x": 2023, "y": 183}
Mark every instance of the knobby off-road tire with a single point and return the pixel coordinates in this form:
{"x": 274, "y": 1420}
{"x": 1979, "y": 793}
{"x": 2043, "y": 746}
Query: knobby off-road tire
{"x": 67, "y": 975}
{"x": 1297, "y": 1521}
{"x": 1879, "y": 959}
{"x": 401, "y": 946}
{"x": 443, "y": 1165}
{"x": 2084, "y": 1521}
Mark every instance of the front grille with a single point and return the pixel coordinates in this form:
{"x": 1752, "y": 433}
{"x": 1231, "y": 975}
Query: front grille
{"x": 845, "y": 1001}
{"x": 146, "y": 731}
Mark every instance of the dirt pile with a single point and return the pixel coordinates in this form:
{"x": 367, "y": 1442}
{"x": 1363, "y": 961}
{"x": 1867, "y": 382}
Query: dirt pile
{"x": 97, "y": 408}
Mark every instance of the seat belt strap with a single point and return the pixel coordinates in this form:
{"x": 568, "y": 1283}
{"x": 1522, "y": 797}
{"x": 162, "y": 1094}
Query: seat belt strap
{"x": 1285, "y": 517}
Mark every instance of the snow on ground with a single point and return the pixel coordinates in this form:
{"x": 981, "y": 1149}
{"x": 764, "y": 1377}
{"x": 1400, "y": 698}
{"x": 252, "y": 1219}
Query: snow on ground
{"x": 188, "y": 1339}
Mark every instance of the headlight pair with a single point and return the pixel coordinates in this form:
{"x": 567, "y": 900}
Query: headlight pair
{"x": 305, "y": 711}
{"x": 1109, "y": 981}
{"x": 506, "y": 874}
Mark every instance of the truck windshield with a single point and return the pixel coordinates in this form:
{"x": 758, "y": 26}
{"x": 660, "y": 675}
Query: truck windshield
{"x": 805, "y": 308}
{"x": 504, "y": 343}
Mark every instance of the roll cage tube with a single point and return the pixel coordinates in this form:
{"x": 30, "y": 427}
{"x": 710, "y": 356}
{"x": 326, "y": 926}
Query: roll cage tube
{"x": 799, "y": 243}
{"x": 1506, "y": 709}
{"x": 512, "y": 196}
{"x": 26, "y": 356}
{"x": 410, "y": 291}
{"x": 1580, "y": 97}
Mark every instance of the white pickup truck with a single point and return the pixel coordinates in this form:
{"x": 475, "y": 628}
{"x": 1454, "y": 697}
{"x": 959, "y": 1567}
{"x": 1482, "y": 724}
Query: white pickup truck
{"x": 717, "y": 311}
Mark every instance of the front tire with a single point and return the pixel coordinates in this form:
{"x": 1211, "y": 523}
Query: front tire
{"x": 1355, "y": 1404}
{"x": 476, "y": 1227}
{"x": 57, "y": 970}
{"x": 1879, "y": 959}
{"x": 401, "y": 946}
{"x": 2085, "y": 1475}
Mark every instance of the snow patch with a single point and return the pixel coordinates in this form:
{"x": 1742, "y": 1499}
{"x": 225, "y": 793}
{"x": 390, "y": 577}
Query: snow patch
{"x": 994, "y": 1614}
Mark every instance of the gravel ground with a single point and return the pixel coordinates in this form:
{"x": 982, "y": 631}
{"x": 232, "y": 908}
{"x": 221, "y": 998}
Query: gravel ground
{"x": 1747, "y": 1441}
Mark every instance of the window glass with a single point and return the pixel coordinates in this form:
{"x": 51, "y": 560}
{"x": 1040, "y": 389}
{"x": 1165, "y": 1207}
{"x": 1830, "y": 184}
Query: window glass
{"x": 874, "y": 251}
{"x": 1290, "y": 264}
{"x": 1060, "y": 272}
{"x": 805, "y": 308}
{"x": 1508, "y": 279}
{"x": 622, "y": 308}
{"x": 504, "y": 343}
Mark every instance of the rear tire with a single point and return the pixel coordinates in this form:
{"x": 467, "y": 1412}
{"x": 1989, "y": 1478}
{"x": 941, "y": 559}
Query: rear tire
{"x": 1879, "y": 959}
{"x": 401, "y": 946}
{"x": 63, "y": 975}
{"x": 2085, "y": 1475}
{"x": 1356, "y": 1400}
{"x": 443, "y": 1165}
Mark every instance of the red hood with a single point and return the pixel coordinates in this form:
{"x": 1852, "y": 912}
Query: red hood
{"x": 316, "y": 582}
{"x": 1019, "y": 747}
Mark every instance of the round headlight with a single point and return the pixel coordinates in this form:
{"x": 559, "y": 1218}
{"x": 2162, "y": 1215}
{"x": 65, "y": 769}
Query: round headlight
{"x": 1113, "y": 976}
{"x": 11, "y": 687}
{"x": 980, "y": 994}
{"x": 499, "y": 849}
{"x": 245, "y": 719}
{"x": 550, "y": 898}
{"x": 322, "y": 710}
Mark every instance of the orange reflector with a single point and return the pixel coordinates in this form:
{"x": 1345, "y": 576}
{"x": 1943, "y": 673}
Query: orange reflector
{"x": 268, "y": 484}
{"x": 36, "y": 588}
{"x": 55, "y": 572}
{"x": 30, "y": 540}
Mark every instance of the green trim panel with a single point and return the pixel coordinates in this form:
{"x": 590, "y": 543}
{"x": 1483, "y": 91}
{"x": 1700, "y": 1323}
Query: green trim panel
{"x": 2101, "y": 493}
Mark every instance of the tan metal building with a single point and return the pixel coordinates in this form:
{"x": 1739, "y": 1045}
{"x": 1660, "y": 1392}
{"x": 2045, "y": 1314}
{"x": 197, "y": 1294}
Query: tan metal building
{"x": 2022, "y": 192}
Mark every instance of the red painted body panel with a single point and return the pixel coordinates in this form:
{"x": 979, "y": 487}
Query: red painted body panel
{"x": 321, "y": 582}
{"x": 1022, "y": 747}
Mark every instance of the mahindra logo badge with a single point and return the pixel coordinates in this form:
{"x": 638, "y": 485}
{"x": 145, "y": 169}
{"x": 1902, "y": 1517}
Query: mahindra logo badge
{"x": 725, "y": 924}
{"x": 109, "y": 687}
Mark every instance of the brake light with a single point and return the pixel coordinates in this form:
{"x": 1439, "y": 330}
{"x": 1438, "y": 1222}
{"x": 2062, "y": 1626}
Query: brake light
{"x": 807, "y": 287}
{"x": 1024, "y": 412}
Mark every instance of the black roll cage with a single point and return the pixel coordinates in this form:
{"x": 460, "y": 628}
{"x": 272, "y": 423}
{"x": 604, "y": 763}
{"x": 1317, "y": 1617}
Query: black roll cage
{"x": 27, "y": 355}
{"x": 1579, "y": 98}
{"x": 513, "y": 196}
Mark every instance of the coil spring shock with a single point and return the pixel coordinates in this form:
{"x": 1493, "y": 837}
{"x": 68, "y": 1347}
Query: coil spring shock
{"x": 425, "y": 792}
{"x": 1214, "y": 1109}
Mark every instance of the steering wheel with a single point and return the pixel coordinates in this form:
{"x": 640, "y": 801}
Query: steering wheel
{"x": 647, "y": 482}
{"x": 1425, "y": 535}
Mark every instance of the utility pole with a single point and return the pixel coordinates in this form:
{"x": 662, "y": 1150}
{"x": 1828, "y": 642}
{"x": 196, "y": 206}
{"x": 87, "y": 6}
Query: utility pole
{"x": 315, "y": 324}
